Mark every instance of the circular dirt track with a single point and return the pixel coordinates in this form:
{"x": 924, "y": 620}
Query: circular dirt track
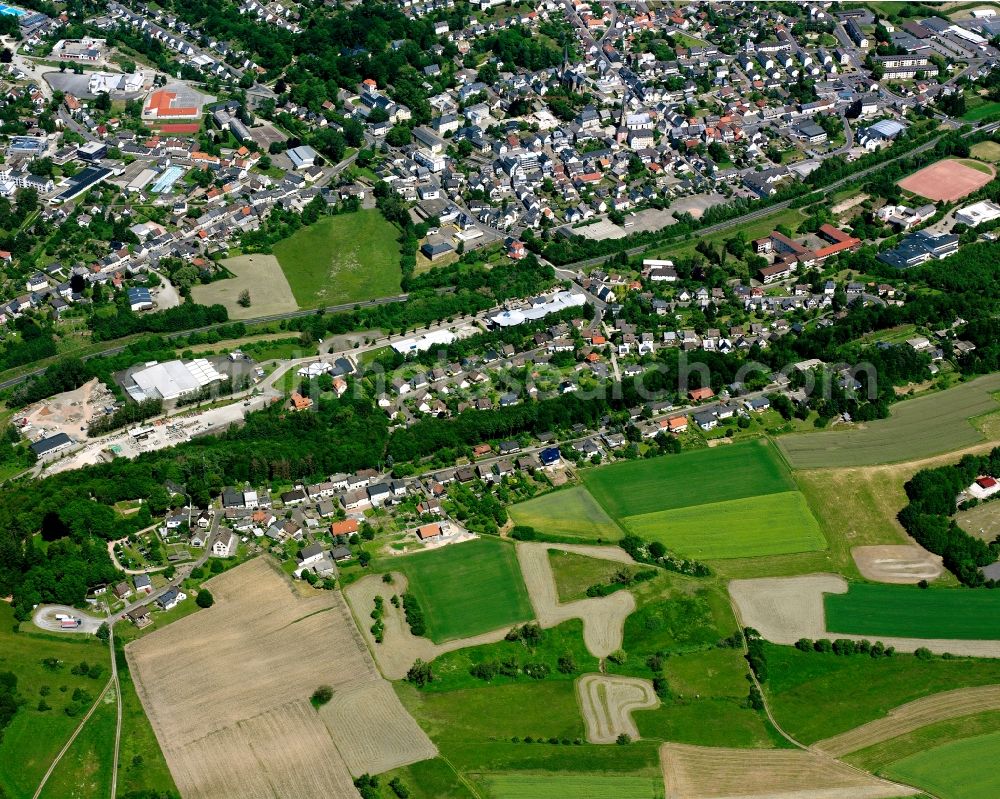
{"x": 903, "y": 564}
{"x": 44, "y": 617}
{"x": 607, "y": 702}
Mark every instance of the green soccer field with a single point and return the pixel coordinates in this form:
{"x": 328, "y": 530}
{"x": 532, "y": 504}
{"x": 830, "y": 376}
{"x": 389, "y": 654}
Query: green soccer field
{"x": 717, "y": 474}
{"x": 911, "y": 612}
{"x": 955, "y": 770}
{"x": 341, "y": 259}
{"x": 569, "y": 513}
{"x": 772, "y": 524}
{"x": 466, "y": 589}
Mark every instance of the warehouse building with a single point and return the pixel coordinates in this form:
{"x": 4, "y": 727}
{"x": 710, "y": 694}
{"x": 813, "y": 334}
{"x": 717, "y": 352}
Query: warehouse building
{"x": 173, "y": 379}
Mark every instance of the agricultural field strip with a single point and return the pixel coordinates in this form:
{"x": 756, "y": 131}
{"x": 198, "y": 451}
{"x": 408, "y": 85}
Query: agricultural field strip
{"x": 745, "y": 469}
{"x": 916, "y": 429}
{"x": 785, "y": 609}
{"x": 603, "y": 617}
{"x": 695, "y": 772}
{"x": 913, "y": 715}
{"x": 258, "y": 653}
{"x": 569, "y": 512}
{"x": 577, "y": 786}
{"x": 961, "y": 769}
{"x": 607, "y": 702}
{"x": 769, "y": 524}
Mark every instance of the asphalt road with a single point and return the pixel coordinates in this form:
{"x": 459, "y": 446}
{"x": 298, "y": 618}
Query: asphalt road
{"x": 44, "y": 617}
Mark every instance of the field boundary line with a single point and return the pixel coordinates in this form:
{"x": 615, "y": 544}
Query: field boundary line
{"x": 794, "y": 741}
{"x": 69, "y": 743}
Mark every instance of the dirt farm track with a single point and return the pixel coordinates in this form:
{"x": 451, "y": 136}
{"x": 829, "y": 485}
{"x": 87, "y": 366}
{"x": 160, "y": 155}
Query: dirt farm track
{"x": 231, "y": 685}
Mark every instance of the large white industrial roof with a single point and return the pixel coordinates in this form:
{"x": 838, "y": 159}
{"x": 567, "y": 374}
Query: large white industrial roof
{"x": 172, "y": 379}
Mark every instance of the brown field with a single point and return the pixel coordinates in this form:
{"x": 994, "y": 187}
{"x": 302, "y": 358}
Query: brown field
{"x": 904, "y": 563}
{"x": 259, "y": 274}
{"x": 947, "y": 179}
{"x": 696, "y": 772}
{"x": 603, "y": 617}
{"x": 607, "y": 702}
{"x": 913, "y": 716}
{"x": 986, "y": 151}
{"x": 230, "y": 685}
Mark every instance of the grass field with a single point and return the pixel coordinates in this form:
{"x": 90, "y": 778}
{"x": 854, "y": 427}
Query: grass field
{"x": 981, "y": 112}
{"x": 917, "y": 428}
{"x": 569, "y": 513}
{"x": 466, "y": 589}
{"x": 702, "y": 476}
{"x": 341, "y": 259}
{"x": 972, "y": 163}
{"x": 581, "y": 786}
{"x": 791, "y": 217}
{"x": 574, "y": 574}
{"x": 85, "y": 770}
{"x": 259, "y": 274}
{"x": 955, "y": 770}
{"x": 772, "y": 524}
{"x": 428, "y": 779}
{"x": 856, "y": 689}
{"x": 982, "y": 521}
{"x": 34, "y": 737}
{"x": 876, "y": 758}
{"x": 987, "y": 150}
{"x": 142, "y": 765}
{"x": 910, "y": 612}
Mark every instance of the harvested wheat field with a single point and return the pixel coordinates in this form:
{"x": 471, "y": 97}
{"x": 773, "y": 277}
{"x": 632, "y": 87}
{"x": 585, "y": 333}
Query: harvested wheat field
{"x": 285, "y": 751}
{"x": 903, "y": 564}
{"x": 374, "y": 733}
{"x": 230, "y": 684}
{"x": 697, "y": 772}
{"x": 607, "y": 702}
{"x": 785, "y": 609}
{"x": 400, "y": 647}
{"x": 913, "y": 716}
{"x": 603, "y": 617}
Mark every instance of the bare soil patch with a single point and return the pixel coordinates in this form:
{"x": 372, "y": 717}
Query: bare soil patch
{"x": 603, "y": 617}
{"x": 946, "y": 180}
{"x": 607, "y": 702}
{"x": 912, "y": 716}
{"x": 696, "y": 772}
{"x": 230, "y": 685}
{"x": 785, "y": 609}
{"x": 259, "y": 274}
{"x": 906, "y": 563}
{"x": 70, "y": 412}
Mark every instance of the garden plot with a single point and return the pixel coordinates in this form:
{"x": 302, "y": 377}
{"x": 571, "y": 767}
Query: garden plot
{"x": 695, "y": 772}
{"x": 607, "y": 702}
{"x": 230, "y": 684}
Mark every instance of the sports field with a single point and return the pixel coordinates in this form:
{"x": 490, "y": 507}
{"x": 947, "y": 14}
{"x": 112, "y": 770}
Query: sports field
{"x": 955, "y": 770}
{"x": 342, "y": 259}
{"x": 910, "y": 612}
{"x": 717, "y": 474}
{"x": 948, "y": 179}
{"x": 771, "y": 524}
{"x": 580, "y": 786}
{"x": 466, "y": 589}
{"x": 917, "y": 428}
{"x": 570, "y": 513}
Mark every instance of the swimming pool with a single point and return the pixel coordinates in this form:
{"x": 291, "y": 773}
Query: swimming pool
{"x": 165, "y": 182}
{"x": 12, "y": 11}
